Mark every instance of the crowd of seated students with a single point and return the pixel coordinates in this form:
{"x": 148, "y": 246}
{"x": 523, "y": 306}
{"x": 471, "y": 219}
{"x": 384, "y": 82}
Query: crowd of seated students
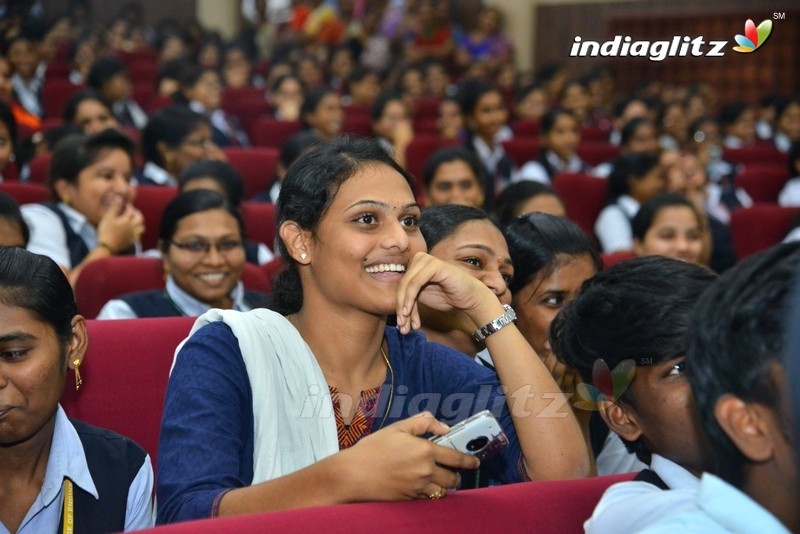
{"x": 158, "y": 107}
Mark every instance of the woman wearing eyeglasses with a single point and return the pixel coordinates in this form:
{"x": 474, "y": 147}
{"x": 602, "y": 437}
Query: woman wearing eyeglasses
{"x": 200, "y": 240}
{"x": 174, "y": 137}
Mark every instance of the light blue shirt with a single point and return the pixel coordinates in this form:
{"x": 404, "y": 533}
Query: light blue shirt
{"x": 634, "y": 505}
{"x": 720, "y": 507}
{"x": 613, "y": 225}
{"x": 68, "y": 460}
{"x": 48, "y": 236}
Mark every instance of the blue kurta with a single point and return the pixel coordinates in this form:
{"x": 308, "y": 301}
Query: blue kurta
{"x": 206, "y": 444}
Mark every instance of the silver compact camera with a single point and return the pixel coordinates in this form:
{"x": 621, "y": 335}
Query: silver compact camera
{"x": 480, "y": 435}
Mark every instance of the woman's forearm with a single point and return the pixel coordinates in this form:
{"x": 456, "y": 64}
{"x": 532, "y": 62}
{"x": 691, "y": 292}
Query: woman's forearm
{"x": 549, "y": 434}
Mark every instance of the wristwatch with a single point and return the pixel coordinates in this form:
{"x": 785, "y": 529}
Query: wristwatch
{"x": 490, "y": 328}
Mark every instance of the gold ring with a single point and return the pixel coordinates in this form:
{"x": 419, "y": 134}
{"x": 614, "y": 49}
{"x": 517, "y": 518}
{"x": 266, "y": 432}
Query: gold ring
{"x": 438, "y": 494}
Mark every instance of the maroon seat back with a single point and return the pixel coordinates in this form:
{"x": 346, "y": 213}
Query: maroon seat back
{"x": 256, "y": 165}
{"x": 259, "y": 222}
{"x": 39, "y": 168}
{"x": 759, "y": 227}
{"x": 584, "y": 197}
{"x": 26, "y": 193}
{"x": 268, "y": 131}
{"x": 763, "y": 182}
{"x": 109, "y": 278}
{"x": 417, "y": 153}
{"x": 151, "y": 201}
{"x": 125, "y": 374}
{"x": 555, "y": 507}
{"x": 760, "y": 154}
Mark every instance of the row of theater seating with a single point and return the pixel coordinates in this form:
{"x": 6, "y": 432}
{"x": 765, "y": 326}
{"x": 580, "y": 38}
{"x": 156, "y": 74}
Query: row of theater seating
{"x": 258, "y": 217}
{"x": 752, "y": 229}
{"x": 125, "y": 376}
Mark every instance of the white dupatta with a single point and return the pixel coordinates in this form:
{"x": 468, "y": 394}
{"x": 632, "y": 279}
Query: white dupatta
{"x": 294, "y": 423}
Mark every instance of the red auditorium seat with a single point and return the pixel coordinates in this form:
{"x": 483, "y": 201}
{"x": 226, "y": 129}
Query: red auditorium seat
{"x": 761, "y": 154}
{"x": 256, "y": 165}
{"x": 143, "y": 71}
{"x": 246, "y": 104}
{"x": 427, "y": 108}
{"x": 594, "y": 134}
{"x": 151, "y": 201}
{"x": 526, "y": 128}
{"x": 157, "y": 102}
{"x": 763, "y": 182}
{"x": 357, "y": 125}
{"x": 125, "y": 374}
{"x": 759, "y": 227}
{"x": 584, "y": 197}
{"x": 39, "y": 168}
{"x": 55, "y": 94}
{"x": 143, "y": 93}
{"x": 522, "y": 149}
{"x": 597, "y": 152}
{"x": 259, "y": 222}
{"x": 25, "y": 193}
{"x": 419, "y": 150}
{"x": 271, "y": 270}
{"x": 57, "y": 70}
{"x": 109, "y": 278}
{"x": 554, "y": 507}
{"x": 268, "y": 131}
{"x": 425, "y": 126}
{"x": 612, "y": 258}
{"x": 144, "y": 55}
{"x": 357, "y": 109}
{"x": 10, "y": 173}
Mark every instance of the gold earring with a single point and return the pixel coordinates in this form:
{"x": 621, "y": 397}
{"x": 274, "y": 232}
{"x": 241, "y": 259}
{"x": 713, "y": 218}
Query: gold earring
{"x": 78, "y": 379}
{"x": 65, "y": 200}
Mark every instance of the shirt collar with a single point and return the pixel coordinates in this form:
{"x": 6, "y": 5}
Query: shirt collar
{"x": 195, "y": 308}
{"x": 719, "y": 499}
{"x": 629, "y": 205}
{"x": 491, "y": 156}
{"x": 673, "y": 475}
{"x": 158, "y": 174}
{"x": 196, "y": 106}
{"x": 67, "y": 460}
{"x": 573, "y": 164}
{"x": 80, "y": 225}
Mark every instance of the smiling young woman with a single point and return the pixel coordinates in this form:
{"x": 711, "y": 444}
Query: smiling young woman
{"x": 94, "y": 216}
{"x": 320, "y": 403}
{"x": 202, "y": 249}
{"x": 466, "y": 237}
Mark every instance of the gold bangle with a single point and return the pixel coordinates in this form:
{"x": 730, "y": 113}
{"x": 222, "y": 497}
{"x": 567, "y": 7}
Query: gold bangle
{"x": 106, "y": 246}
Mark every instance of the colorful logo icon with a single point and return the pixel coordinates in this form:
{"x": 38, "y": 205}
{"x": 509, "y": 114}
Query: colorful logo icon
{"x": 608, "y": 385}
{"x": 753, "y": 36}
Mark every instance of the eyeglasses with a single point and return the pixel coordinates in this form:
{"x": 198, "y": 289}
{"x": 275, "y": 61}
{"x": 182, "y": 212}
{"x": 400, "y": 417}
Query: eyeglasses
{"x": 201, "y": 248}
{"x": 199, "y": 143}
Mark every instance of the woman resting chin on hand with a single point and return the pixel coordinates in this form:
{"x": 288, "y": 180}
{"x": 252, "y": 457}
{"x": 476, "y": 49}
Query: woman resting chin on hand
{"x": 322, "y": 403}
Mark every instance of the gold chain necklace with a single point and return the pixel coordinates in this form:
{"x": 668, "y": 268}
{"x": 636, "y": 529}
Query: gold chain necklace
{"x": 391, "y": 390}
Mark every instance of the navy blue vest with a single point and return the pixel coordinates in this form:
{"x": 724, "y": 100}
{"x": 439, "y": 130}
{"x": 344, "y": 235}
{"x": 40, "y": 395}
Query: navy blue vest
{"x": 114, "y": 462}
{"x": 77, "y": 247}
{"x": 647, "y": 475}
{"x": 155, "y": 303}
